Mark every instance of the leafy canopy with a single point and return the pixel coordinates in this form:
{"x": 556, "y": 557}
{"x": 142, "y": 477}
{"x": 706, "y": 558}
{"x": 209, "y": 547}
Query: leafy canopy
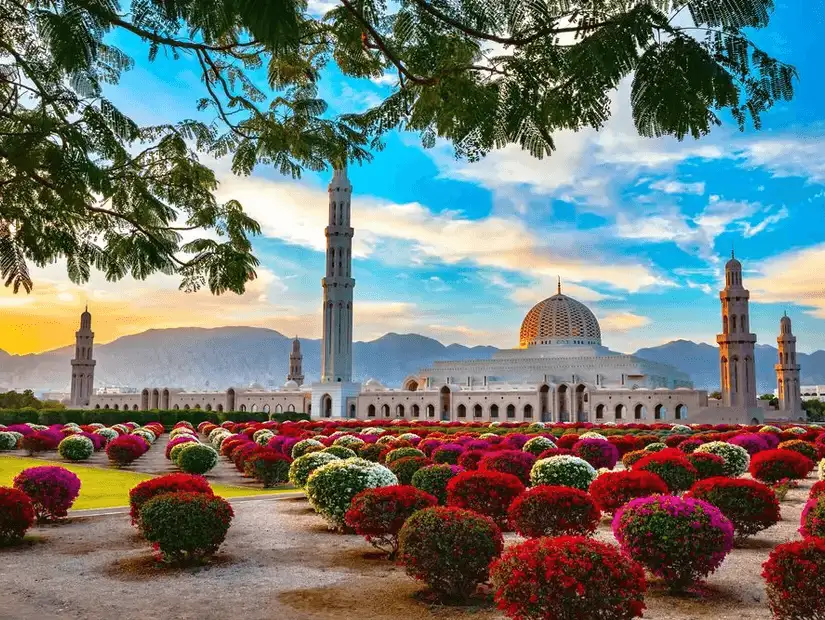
{"x": 81, "y": 181}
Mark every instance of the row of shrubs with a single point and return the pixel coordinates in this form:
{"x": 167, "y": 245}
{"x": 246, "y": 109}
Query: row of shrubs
{"x": 167, "y": 417}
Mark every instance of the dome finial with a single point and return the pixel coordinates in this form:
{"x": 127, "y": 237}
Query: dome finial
{"x": 731, "y": 250}
{"x": 558, "y": 288}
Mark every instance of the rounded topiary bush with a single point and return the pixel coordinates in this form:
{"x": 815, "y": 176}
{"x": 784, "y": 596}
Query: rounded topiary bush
{"x": 486, "y": 492}
{"x": 450, "y": 549}
{"x": 76, "y": 448}
{"x": 568, "y": 578}
{"x": 52, "y": 490}
{"x": 736, "y": 458}
{"x": 633, "y": 457}
{"x": 197, "y": 458}
{"x": 656, "y": 446}
{"x": 749, "y": 505}
{"x": 349, "y": 441}
{"x": 516, "y": 462}
{"x": 125, "y": 449}
{"x": 598, "y": 452}
{"x": 566, "y": 471}
{"x": 400, "y": 453}
{"x": 771, "y": 466}
{"x": 303, "y": 466}
{"x": 672, "y": 467}
{"x": 404, "y": 469}
{"x": 108, "y": 433}
{"x": 679, "y": 540}
{"x": 331, "y": 487}
{"x": 268, "y": 466}
{"x": 433, "y": 479}
{"x": 813, "y": 517}
{"x": 805, "y": 448}
{"x": 707, "y": 465}
{"x": 305, "y": 446}
{"x": 537, "y": 445}
{"x": 16, "y": 515}
{"x": 447, "y": 453}
{"x": 614, "y": 489}
{"x": 185, "y": 527}
{"x": 170, "y": 483}
{"x": 378, "y": 514}
{"x": 340, "y": 451}
{"x": 8, "y": 441}
{"x": 793, "y": 577}
{"x": 554, "y": 511}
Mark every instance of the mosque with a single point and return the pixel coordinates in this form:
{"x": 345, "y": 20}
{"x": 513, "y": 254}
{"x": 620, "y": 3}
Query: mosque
{"x": 560, "y": 371}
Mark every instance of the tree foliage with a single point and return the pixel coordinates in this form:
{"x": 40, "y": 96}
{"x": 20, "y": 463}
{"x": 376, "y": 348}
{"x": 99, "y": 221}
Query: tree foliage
{"x": 81, "y": 181}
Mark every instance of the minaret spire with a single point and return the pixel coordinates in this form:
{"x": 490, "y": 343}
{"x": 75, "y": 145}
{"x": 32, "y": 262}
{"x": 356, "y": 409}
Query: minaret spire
{"x": 558, "y": 286}
{"x": 787, "y": 371}
{"x": 83, "y": 364}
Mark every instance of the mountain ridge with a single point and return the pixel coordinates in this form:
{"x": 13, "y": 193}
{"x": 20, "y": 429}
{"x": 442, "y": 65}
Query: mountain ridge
{"x": 215, "y": 358}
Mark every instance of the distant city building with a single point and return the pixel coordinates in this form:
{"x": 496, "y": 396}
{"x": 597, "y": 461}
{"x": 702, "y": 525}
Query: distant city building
{"x": 560, "y": 371}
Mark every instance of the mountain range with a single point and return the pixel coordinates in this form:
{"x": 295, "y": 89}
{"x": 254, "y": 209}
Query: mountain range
{"x": 196, "y": 358}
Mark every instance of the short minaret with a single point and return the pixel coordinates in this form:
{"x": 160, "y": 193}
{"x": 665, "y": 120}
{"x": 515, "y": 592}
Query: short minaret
{"x": 336, "y": 357}
{"x": 736, "y": 343}
{"x": 83, "y": 364}
{"x": 787, "y": 370}
{"x": 296, "y": 362}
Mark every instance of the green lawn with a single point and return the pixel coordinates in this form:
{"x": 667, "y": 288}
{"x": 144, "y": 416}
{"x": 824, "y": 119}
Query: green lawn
{"x": 108, "y": 488}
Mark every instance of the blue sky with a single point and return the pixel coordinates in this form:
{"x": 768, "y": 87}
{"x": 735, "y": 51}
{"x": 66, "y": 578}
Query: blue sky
{"x": 638, "y": 229}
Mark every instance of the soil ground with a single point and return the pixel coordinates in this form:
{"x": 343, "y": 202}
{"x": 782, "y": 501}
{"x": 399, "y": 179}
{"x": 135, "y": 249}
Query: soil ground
{"x": 279, "y": 561}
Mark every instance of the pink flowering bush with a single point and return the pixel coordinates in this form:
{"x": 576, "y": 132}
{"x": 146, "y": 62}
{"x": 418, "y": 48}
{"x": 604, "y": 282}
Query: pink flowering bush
{"x": 52, "y": 490}
{"x": 126, "y": 448}
{"x": 598, "y": 452}
{"x": 678, "y": 540}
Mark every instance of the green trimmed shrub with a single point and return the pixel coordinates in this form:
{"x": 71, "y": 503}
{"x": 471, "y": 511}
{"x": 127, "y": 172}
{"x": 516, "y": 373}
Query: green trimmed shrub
{"x": 305, "y": 446}
{"x": 76, "y": 448}
{"x": 303, "y": 466}
{"x": 400, "y": 453}
{"x": 8, "y": 441}
{"x": 196, "y": 458}
{"x": 341, "y": 452}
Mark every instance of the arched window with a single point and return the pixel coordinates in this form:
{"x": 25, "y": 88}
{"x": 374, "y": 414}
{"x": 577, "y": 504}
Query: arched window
{"x": 599, "y": 412}
{"x": 371, "y": 411}
{"x": 266, "y": 408}
{"x": 477, "y": 411}
{"x": 743, "y": 322}
{"x": 385, "y": 410}
{"x": 134, "y": 407}
{"x": 725, "y": 324}
{"x": 430, "y": 411}
{"x": 494, "y": 411}
{"x": 681, "y": 412}
{"x": 659, "y": 412}
{"x": 511, "y": 411}
{"x": 733, "y": 323}
{"x": 208, "y": 407}
{"x": 279, "y": 408}
{"x": 399, "y": 410}
{"x": 290, "y": 408}
{"x": 176, "y": 407}
{"x": 620, "y": 411}
{"x": 462, "y": 411}
{"x": 352, "y": 411}
{"x": 416, "y": 411}
{"x": 243, "y": 408}
{"x": 116, "y": 406}
{"x": 186, "y": 407}
{"x": 528, "y": 412}
{"x": 639, "y": 412}
{"x": 254, "y": 408}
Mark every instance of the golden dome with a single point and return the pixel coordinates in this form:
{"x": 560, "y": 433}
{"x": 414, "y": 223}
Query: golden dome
{"x": 559, "y": 320}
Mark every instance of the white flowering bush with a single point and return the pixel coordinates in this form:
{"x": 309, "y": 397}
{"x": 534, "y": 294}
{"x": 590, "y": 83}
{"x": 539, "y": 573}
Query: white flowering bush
{"x": 262, "y": 436}
{"x": 76, "y": 448}
{"x": 121, "y": 429}
{"x": 305, "y": 446}
{"x": 537, "y": 445}
{"x": 680, "y": 429}
{"x": 656, "y": 446}
{"x": 563, "y": 470}
{"x": 592, "y": 435}
{"x": 148, "y": 435}
{"x": 331, "y": 487}
{"x": 411, "y": 437}
{"x": 372, "y": 431}
{"x": 217, "y": 436}
{"x": 108, "y": 433}
{"x": 821, "y": 469}
{"x": 97, "y": 425}
{"x": 303, "y": 466}
{"x": 736, "y": 458}
{"x": 382, "y": 441}
{"x": 181, "y": 430}
{"x": 487, "y": 436}
{"x": 797, "y": 430}
{"x": 8, "y": 441}
{"x": 348, "y": 441}
{"x": 174, "y": 453}
{"x": 72, "y": 427}
{"x": 770, "y": 429}
{"x": 496, "y": 423}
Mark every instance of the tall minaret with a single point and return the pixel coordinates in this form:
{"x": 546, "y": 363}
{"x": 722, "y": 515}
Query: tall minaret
{"x": 736, "y": 343}
{"x": 336, "y": 357}
{"x": 83, "y": 365}
{"x": 296, "y": 361}
{"x": 787, "y": 370}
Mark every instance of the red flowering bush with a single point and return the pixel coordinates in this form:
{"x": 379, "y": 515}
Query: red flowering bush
{"x": 631, "y": 458}
{"x": 268, "y": 466}
{"x": 486, "y": 492}
{"x": 805, "y": 448}
{"x": 672, "y": 467}
{"x": 598, "y": 452}
{"x": 378, "y": 514}
{"x": 614, "y": 489}
{"x": 146, "y": 490}
{"x": 185, "y": 527}
{"x": 554, "y": 511}
{"x": 52, "y": 490}
{"x": 771, "y": 466}
{"x": 471, "y": 458}
{"x": 793, "y": 578}
{"x": 16, "y": 515}
{"x": 817, "y": 490}
{"x": 40, "y": 441}
{"x": 449, "y": 549}
{"x": 813, "y": 517}
{"x": 749, "y": 505}
{"x": 679, "y": 540}
{"x": 125, "y": 449}
{"x": 688, "y": 446}
{"x": 404, "y": 469}
{"x": 568, "y": 578}
{"x": 567, "y": 441}
{"x": 515, "y": 462}
{"x": 707, "y": 465}
{"x": 555, "y": 452}
{"x": 625, "y": 443}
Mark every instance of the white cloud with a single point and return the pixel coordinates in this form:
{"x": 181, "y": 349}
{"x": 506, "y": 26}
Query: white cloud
{"x": 752, "y": 230}
{"x": 623, "y": 321}
{"x": 670, "y": 186}
{"x": 386, "y": 79}
{"x": 794, "y": 276}
{"x": 787, "y": 156}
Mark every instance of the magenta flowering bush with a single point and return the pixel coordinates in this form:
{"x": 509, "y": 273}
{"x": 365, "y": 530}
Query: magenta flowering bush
{"x": 98, "y": 441}
{"x": 516, "y": 441}
{"x": 52, "y": 490}
{"x": 752, "y": 442}
{"x": 598, "y": 452}
{"x": 681, "y": 540}
{"x": 448, "y": 453}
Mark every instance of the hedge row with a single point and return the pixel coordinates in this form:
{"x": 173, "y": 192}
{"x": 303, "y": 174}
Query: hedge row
{"x": 165, "y": 417}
